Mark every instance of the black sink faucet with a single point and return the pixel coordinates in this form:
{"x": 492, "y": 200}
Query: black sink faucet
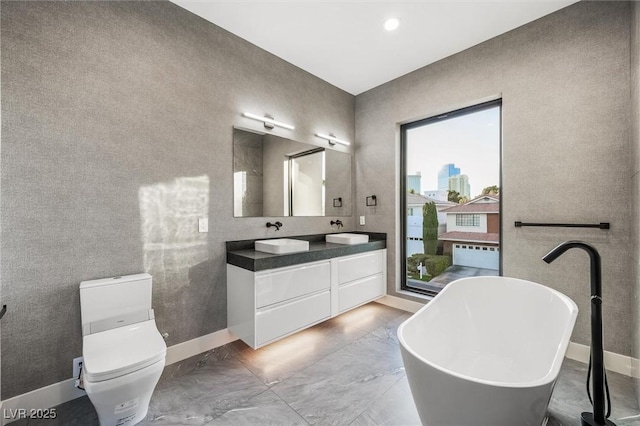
{"x": 597, "y": 351}
{"x": 337, "y": 222}
{"x": 277, "y": 225}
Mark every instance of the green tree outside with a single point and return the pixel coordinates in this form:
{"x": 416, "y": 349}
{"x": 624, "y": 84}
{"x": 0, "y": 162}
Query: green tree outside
{"x": 430, "y": 228}
{"x": 453, "y": 196}
{"x": 491, "y": 190}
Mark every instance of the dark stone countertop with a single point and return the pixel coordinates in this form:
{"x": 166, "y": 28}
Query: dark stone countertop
{"x": 243, "y": 254}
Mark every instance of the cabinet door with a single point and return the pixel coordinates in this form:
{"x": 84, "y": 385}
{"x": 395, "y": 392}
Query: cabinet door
{"x": 291, "y": 282}
{"x": 360, "y": 291}
{"x": 359, "y": 266}
{"x": 283, "y": 319}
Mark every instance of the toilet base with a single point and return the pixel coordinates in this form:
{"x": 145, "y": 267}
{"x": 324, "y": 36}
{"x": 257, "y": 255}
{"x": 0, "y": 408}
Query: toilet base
{"x": 124, "y": 400}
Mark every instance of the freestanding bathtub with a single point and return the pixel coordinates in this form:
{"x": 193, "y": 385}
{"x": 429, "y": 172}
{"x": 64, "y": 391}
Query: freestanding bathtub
{"x": 487, "y": 351}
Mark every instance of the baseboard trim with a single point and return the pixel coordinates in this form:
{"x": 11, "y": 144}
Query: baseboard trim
{"x": 612, "y": 361}
{"x": 58, "y": 393}
{"x": 198, "y": 345}
{"x": 400, "y": 303}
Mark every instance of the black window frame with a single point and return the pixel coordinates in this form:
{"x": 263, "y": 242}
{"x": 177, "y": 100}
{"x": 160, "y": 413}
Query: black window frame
{"x": 403, "y": 183}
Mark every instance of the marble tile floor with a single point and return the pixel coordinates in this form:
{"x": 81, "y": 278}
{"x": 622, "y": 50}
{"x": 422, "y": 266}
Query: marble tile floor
{"x": 345, "y": 371}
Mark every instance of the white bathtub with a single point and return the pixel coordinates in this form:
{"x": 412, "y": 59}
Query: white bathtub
{"x": 487, "y": 351}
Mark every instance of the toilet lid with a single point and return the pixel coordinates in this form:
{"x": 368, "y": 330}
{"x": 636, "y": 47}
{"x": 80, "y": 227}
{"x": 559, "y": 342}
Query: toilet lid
{"x": 119, "y": 351}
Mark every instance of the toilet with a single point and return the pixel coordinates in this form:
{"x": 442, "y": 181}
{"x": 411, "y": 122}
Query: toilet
{"x": 123, "y": 351}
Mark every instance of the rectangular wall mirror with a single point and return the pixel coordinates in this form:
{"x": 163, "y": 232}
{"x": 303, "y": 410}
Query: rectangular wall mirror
{"x": 275, "y": 176}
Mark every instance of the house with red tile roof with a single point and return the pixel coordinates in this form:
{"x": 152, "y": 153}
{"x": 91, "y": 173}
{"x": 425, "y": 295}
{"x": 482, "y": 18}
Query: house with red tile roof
{"x": 472, "y": 234}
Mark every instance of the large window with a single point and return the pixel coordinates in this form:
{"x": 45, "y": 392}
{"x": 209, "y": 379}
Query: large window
{"x": 451, "y": 196}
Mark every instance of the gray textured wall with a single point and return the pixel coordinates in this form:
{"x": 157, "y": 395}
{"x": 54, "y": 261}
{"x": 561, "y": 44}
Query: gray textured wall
{"x": 338, "y": 183}
{"x": 635, "y": 182}
{"x": 564, "y": 81}
{"x": 116, "y": 136}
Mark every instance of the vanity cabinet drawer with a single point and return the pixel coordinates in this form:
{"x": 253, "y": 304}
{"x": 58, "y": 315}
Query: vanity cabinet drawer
{"x": 360, "y": 291}
{"x": 359, "y": 266}
{"x": 288, "y": 283}
{"x": 286, "y": 318}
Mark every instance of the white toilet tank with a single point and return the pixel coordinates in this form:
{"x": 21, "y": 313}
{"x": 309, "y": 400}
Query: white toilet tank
{"x": 111, "y": 298}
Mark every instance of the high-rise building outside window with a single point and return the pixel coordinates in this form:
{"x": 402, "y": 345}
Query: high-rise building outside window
{"x": 447, "y": 171}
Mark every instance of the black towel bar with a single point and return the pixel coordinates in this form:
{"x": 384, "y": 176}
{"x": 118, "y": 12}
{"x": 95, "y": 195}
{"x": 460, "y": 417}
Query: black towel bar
{"x": 601, "y": 225}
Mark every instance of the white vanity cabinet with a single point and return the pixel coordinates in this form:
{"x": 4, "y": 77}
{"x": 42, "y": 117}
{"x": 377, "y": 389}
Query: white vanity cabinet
{"x": 265, "y": 306}
{"x": 361, "y": 278}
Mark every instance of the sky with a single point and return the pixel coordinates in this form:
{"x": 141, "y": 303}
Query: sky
{"x": 471, "y": 142}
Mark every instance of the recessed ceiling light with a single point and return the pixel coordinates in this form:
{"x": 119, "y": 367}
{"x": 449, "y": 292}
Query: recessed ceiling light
{"x": 391, "y": 24}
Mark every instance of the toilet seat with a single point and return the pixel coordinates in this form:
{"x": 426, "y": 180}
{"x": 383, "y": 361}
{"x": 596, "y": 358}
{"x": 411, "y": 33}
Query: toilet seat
{"x": 119, "y": 351}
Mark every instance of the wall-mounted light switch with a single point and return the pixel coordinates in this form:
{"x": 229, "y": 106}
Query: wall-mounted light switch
{"x": 203, "y": 224}
{"x": 362, "y": 220}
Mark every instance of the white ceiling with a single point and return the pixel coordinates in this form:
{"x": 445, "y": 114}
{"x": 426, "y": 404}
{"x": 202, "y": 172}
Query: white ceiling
{"x": 343, "y": 42}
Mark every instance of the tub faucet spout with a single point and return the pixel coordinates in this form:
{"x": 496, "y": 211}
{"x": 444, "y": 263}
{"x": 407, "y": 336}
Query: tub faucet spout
{"x": 597, "y": 418}
{"x": 596, "y": 274}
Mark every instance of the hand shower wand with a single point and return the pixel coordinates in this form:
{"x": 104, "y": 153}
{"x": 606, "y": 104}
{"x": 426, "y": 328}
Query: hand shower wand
{"x": 597, "y": 418}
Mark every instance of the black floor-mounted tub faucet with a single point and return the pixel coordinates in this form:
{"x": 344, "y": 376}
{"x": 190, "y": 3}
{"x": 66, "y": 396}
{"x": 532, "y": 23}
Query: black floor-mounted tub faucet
{"x": 597, "y": 418}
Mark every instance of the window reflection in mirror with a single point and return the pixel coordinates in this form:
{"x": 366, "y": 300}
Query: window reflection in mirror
{"x": 306, "y": 183}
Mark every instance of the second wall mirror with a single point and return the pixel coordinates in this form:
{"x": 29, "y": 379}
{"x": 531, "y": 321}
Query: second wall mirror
{"x": 275, "y": 176}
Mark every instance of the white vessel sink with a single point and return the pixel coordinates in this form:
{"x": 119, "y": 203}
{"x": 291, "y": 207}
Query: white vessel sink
{"x": 347, "y": 238}
{"x": 282, "y": 246}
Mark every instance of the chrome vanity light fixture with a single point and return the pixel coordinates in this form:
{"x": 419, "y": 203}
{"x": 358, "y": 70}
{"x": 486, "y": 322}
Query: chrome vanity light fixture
{"x": 269, "y": 122}
{"x": 332, "y": 139}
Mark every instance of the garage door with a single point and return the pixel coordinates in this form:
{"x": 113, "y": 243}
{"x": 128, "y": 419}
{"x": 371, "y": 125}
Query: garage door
{"x": 476, "y": 256}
